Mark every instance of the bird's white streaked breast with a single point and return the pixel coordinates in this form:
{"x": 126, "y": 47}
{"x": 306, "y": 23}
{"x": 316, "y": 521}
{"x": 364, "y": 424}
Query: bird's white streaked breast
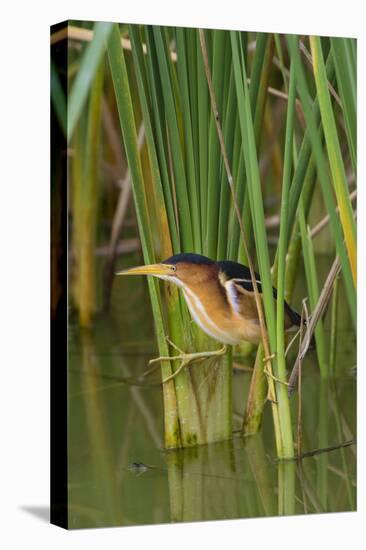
{"x": 199, "y": 313}
{"x": 200, "y": 316}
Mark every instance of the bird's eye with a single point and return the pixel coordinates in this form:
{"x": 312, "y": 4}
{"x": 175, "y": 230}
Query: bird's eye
{"x": 173, "y": 268}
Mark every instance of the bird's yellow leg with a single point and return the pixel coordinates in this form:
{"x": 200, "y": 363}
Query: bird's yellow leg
{"x": 267, "y": 371}
{"x": 186, "y": 358}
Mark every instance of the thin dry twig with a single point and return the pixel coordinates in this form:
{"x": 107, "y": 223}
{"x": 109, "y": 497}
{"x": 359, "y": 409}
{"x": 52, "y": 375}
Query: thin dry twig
{"x": 118, "y": 220}
{"x": 309, "y": 59}
{"x": 122, "y": 247}
{"x": 324, "y": 221}
{"x": 114, "y": 137}
{"x": 273, "y": 124}
{"x": 86, "y": 35}
{"x": 315, "y": 316}
{"x": 328, "y": 449}
{"x": 284, "y": 96}
{"x": 241, "y": 368}
{"x": 316, "y": 452}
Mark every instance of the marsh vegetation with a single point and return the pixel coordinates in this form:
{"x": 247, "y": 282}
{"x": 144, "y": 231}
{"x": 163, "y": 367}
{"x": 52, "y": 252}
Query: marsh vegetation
{"x": 234, "y": 145}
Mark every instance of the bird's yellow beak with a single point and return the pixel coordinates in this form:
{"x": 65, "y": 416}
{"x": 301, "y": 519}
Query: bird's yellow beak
{"x": 153, "y": 269}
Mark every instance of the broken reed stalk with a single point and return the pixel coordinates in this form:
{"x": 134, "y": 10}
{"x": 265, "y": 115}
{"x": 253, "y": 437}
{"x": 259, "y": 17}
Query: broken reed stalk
{"x": 320, "y": 308}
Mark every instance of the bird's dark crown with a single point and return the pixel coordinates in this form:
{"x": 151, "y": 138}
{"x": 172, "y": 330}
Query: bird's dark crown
{"x": 190, "y": 258}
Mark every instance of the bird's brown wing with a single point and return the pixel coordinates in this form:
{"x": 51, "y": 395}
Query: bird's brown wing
{"x": 241, "y": 300}
{"x": 238, "y": 285}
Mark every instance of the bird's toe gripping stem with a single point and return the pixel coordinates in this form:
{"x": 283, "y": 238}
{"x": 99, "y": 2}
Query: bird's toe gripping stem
{"x": 267, "y": 371}
{"x": 186, "y": 358}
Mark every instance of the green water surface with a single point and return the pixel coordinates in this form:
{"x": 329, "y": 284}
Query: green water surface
{"x": 119, "y": 472}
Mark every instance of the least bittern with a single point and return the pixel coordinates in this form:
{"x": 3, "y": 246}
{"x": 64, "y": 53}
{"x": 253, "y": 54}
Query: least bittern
{"x": 220, "y": 298}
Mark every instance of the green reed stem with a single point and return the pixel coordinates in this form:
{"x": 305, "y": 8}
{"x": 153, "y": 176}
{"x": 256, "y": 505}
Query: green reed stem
{"x": 88, "y": 67}
{"x": 282, "y": 249}
{"x": 127, "y": 123}
{"x": 323, "y": 174}
{"x": 334, "y": 154}
{"x": 88, "y": 203}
